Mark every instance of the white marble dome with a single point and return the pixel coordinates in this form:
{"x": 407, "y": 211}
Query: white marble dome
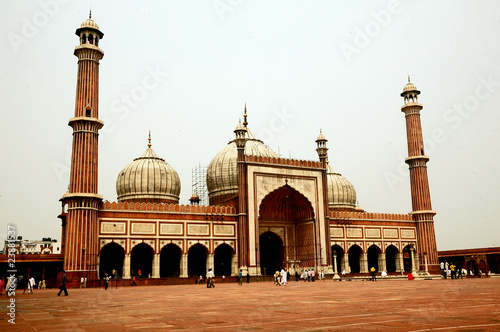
{"x": 148, "y": 179}
{"x": 341, "y": 193}
{"x": 222, "y": 172}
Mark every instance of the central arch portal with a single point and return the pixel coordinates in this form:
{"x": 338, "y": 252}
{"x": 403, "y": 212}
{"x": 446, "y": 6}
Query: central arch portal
{"x": 287, "y": 228}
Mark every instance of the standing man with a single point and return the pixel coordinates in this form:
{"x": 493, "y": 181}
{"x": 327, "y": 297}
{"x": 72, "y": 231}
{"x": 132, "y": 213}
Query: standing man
{"x": 283, "y": 277}
{"x": 106, "y": 280}
{"x": 372, "y": 271}
{"x": 240, "y": 276}
{"x": 62, "y": 287}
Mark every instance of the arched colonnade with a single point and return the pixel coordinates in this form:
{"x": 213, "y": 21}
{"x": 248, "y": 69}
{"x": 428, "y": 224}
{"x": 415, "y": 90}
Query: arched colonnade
{"x": 142, "y": 261}
{"x": 356, "y": 260}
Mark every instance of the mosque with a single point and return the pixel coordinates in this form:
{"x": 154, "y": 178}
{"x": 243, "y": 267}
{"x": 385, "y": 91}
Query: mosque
{"x": 264, "y": 212}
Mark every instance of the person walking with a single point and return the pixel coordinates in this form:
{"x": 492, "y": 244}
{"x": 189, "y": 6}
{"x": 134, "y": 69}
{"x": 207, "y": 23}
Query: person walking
{"x": 32, "y": 283}
{"x": 81, "y": 282}
{"x": 240, "y": 276}
{"x": 62, "y": 287}
{"x": 106, "y": 281}
{"x": 133, "y": 281}
{"x": 210, "y": 277}
{"x": 248, "y": 278}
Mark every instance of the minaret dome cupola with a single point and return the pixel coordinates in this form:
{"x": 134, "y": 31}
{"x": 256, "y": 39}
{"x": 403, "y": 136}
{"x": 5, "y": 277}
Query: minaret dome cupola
{"x": 89, "y": 32}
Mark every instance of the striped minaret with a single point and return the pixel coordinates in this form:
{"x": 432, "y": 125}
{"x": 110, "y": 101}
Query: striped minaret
{"x": 420, "y": 193}
{"x": 81, "y": 228}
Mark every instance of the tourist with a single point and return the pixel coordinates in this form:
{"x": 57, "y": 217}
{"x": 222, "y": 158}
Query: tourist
{"x": 343, "y": 273}
{"x": 27, "y": 286}
{"x": 85, "y": 282}
{"x": 201, "y": 279}
{"x": 210, "y": 276}
{"x": 240, "y": 278}
{"x": 452, "y": 271}
{"x": 277, "y": 281}
{"x": 313, "y": 275}
{"x": 297, "y": 276}
{"x": 248, "y": 277}
{"x": 82, "y": 279}
{"x": 133, "y": 281}
{"x": 62, "y": 286}
{"x": 32, "y": 283}
{"x": 283, "y": 277}
{"x": 1, "y": 285}
{"x": 106, "y": 280}
{"x": 384, "y": 274}
{"x": 372, "y": 271}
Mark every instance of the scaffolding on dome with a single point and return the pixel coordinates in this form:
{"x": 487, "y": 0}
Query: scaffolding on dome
{"x": 199, "y": 183}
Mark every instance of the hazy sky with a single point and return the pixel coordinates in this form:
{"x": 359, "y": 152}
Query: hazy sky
{"x": 184, "y": 70}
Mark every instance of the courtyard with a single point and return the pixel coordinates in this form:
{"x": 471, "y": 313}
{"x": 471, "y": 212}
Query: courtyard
{"x": 428, "y": 305}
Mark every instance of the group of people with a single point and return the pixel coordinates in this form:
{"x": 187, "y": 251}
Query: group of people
{"x": 83, "y": 282}
{"x": 310, "y": 275}
{"x": 13, "y": 282}
{"x": 281, "y": 277}
{"x": 452, "y": 271}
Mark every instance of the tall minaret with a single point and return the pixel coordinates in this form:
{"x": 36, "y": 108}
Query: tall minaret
{"x": 81, "y": 226}
{"x": 240, "y": 140}
{"x": 420, "y": 193}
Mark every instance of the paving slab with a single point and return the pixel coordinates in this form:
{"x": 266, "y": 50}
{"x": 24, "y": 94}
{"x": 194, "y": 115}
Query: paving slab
{"x": 425, "y": 305}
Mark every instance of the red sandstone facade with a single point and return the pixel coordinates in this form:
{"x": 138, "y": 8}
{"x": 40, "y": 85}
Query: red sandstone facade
{"x": 280, "y": 212}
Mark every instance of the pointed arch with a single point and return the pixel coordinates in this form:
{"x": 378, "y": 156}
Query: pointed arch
{"x": 170, "y": 259}
{"x": 222, "y": 259}
{"x": 111, "y": 258}
{"x": 141, "y": 259}
{"x": 197, "y": 259}
{"x": 286, "y": 204}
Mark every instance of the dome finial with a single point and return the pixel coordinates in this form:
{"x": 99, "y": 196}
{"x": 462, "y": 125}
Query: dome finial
{"x": 149, "y": 139}
{"x": 408, "y": 78}
{"x": 245, "y": 122}
{"x": 90, "y": 13}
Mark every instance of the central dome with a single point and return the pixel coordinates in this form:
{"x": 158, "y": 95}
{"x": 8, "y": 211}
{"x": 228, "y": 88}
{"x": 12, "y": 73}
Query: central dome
{"x": 222, "y": 172}
{"x": 148, "y": 179}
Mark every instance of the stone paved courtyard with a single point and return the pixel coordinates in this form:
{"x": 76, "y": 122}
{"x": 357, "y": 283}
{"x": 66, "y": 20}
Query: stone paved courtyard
{"x": 454, "y": 305}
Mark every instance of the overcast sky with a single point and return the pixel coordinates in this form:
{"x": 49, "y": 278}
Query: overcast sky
{"x": 184, "y": 70}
